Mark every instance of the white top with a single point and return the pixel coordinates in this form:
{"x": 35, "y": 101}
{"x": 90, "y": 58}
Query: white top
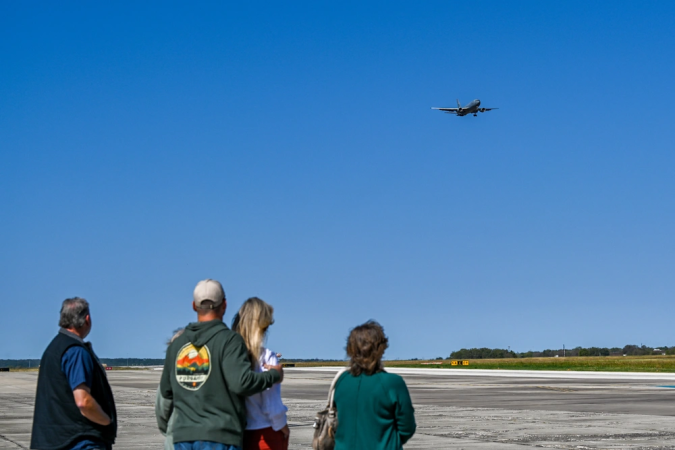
{"x": 265, "y": 409}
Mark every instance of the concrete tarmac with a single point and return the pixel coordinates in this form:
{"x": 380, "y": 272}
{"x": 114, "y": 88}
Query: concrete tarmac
{"x": 453, "y": 411}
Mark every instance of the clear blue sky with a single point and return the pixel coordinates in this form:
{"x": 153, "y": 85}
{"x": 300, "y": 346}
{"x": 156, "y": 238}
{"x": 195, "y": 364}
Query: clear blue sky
{"x": 289, "y": 151}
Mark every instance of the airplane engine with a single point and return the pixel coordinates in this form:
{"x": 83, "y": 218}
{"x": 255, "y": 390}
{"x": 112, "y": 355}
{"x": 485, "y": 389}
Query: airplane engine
{"x": 482, "y": 110}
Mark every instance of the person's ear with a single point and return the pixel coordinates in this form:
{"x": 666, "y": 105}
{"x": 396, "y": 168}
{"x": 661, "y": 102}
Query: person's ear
{"x": 87, "y": 320}
{"x": 194, "y": 307}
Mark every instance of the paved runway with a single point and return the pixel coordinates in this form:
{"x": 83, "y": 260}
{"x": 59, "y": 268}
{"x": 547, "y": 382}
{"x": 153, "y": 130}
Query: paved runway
{"x": 527, "y": 390}
{"x": 453, "y": 411}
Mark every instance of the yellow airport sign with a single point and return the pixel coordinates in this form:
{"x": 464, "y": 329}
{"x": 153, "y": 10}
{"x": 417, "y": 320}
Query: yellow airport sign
{"x": 459, "y": 363}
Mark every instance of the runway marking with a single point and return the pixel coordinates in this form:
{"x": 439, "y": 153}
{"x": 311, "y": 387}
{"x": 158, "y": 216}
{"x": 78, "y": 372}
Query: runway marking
{"x": 310, "y": 424}
{"x": 12, "y": 442}
{"x": 651, "y": 376}
{"x": 557, "y": 389}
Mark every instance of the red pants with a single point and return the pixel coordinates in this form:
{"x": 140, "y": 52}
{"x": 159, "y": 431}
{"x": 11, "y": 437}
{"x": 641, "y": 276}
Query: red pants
{"x": 265, "y": 439}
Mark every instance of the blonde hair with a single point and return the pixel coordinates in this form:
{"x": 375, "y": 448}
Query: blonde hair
{"x": 251, "y": 322}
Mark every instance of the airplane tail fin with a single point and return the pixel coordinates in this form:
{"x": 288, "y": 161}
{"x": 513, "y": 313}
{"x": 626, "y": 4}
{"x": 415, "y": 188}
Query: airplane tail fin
{"x": 459, "y": 105}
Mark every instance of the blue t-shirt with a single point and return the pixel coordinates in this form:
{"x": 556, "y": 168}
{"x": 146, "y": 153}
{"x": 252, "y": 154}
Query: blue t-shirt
{"x": 78, "y": 366}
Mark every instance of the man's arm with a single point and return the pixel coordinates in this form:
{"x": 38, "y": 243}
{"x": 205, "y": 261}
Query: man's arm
{"x": 88, "y": 405}
{"x": 78, "y": 366}
{"x": 240, "y": 378}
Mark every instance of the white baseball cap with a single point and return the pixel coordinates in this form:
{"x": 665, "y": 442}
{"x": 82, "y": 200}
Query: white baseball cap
{"x": 208, "y": 290}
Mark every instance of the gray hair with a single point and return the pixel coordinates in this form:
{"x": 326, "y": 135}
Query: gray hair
{"x": 176, "y": 334}
{"x": 74, "y": 312}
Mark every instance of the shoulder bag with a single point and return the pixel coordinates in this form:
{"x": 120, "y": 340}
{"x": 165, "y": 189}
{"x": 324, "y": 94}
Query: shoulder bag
{"x": 325, "y": 423}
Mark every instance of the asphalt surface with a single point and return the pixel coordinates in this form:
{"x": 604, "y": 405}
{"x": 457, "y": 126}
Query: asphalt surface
{"x": 453, "y": 411}
{"x": 539, "y": 394}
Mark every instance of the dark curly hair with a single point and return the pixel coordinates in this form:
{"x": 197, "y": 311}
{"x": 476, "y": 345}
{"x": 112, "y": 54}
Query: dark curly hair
{"x": 365, "y": 346}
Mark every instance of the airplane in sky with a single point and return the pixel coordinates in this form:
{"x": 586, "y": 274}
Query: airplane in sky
{"x": 472, "y": 108}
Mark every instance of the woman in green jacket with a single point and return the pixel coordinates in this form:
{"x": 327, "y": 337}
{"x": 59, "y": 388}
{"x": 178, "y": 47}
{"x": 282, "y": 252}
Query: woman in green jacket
{"x": 373, "y": 406}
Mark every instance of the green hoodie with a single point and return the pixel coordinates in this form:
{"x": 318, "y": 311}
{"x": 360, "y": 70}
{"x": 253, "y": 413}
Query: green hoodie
{"x": 207, "y": 375}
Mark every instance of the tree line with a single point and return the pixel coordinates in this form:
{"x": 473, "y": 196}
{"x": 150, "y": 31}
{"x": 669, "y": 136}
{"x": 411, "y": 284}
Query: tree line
{"x": 495, "y": 353}
{"x": 112, "y": 362}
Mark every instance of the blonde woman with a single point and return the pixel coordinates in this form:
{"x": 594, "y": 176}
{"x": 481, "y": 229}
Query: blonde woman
{"x": 266, "y": 426}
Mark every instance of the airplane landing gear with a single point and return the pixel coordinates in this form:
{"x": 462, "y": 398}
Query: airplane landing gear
{"x": 475, "y": 115}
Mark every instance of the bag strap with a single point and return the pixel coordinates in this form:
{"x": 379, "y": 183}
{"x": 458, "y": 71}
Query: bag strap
{"x": 331, "y": 391}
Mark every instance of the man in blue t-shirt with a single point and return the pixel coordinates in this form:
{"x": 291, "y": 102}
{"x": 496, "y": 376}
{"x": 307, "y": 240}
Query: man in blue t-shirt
{"x": 74, "y": 404}
{"x": 78, "y": 366}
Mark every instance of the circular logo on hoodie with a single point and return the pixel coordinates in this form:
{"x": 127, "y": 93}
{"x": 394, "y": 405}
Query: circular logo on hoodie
{"x": 193, "y": 366}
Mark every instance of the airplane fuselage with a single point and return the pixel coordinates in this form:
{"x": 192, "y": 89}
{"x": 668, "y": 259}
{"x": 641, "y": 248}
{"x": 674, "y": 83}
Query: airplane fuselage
{"x": 471, "y": 108}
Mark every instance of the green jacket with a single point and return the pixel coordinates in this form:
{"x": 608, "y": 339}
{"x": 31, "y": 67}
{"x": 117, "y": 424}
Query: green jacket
{"x": 165, "y": 420}
{"x": 207, "y": 375}
{"x": 374, "y": 412}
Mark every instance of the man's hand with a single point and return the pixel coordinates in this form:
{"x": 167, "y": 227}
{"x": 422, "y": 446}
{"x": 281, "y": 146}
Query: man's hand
{"x": 88, "y": 405}
{"x": 286, "y": 432}
{"x": 279, "y": 368}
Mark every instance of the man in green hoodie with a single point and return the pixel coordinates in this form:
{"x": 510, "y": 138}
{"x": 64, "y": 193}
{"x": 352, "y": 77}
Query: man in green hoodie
{"x": 207, "y": 375}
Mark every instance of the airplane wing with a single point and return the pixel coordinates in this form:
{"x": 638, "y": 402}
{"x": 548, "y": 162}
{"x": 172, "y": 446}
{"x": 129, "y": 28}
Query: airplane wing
{"x": 486, "y": 109}
{"x": 448, "y": 110}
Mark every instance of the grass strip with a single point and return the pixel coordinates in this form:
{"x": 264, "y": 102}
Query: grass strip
{"x": 577, "y": 363}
